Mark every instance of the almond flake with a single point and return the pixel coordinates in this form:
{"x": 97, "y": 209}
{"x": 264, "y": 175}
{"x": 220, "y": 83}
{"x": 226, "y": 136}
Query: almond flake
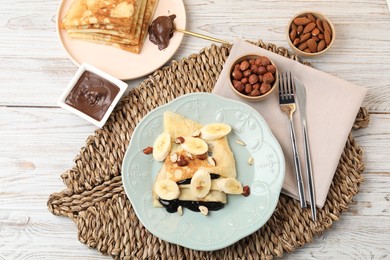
{"x": 180, "y": 210}
{"x": 204, "y": 210}
{"x": 173, "y": 157}
{"x": 240, "y": 142}
{"x": 251, "y": 160}
{"x": 196, "y": 133}
{"x": 211, "y": 161}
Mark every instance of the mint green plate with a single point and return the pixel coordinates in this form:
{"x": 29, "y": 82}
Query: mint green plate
{"x": 241, "y": 216}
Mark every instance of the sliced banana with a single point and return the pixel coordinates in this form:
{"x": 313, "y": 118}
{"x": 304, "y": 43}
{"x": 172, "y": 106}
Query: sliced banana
{"x": 194, "y": 145}
{"x": 230, "y": 185}
{"x": 214, "y": 131}
{"x": 200, "y": 183}
{"x": 162, "y": 146}
{"x": 167, "y": 189}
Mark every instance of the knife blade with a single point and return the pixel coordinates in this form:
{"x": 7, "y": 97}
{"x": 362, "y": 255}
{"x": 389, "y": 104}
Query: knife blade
{"x": 301, "y": 101}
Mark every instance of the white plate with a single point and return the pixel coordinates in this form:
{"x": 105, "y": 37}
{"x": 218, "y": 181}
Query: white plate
{"x": 119, "y": 63}
{"x": 241, "y": 216}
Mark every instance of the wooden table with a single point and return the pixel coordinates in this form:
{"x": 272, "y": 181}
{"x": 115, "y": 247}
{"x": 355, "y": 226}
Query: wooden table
{"x": 39, "y": 140}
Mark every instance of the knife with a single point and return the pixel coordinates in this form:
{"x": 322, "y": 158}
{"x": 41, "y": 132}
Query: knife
{"x": 301, "y": 100}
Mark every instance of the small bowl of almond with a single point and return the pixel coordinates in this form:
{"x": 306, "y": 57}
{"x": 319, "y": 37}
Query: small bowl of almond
{"x": 253, "y": 77}
{"x": 310, "y": 34}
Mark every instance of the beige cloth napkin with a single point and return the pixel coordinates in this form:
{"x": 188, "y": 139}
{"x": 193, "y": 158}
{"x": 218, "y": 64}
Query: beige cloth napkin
{"x": 332, "y": 106}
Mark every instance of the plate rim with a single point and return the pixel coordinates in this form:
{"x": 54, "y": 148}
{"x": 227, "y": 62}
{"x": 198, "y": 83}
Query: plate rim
{"x": 241, "y": 235}
{"x": 132, "y": 77}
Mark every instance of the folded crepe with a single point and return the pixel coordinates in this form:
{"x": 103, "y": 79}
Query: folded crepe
{"x": 118, "y": 23}
{"x": 179, "y": 126}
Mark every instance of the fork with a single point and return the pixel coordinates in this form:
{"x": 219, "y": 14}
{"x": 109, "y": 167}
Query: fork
{"x": 287, "y": 105}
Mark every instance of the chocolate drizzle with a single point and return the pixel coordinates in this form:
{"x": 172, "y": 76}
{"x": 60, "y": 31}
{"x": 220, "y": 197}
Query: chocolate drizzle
{"x": 161, "y": 31}
{"x": 172, "y": 205}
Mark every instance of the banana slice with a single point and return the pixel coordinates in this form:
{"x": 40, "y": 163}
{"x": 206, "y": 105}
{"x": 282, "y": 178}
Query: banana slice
{"x": 200, "y": 183}
{"x": 229, "y": 185}
{"x": 162, "y": 147}
{"x": 194, "y": 145}
{"x": 214, "y": 131}
{"x": 167, "y": 189}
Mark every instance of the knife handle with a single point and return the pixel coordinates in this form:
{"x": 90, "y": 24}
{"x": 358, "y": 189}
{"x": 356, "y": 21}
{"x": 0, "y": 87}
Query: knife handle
{"x": 309, "y": 172}
{"x": 297, "y": 166}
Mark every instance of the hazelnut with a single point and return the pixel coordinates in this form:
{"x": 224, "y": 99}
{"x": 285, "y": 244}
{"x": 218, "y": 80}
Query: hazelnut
{"x": 248, "y": 88}
{"x": 265, "y": 61}
{"x": 179, "y": 140}
{"x": 254, "y": 68}
{"x": 247, "y": 73}
{"x": 264, "y": 88}
{"x": 182, "y": 161}
{"x": 245, "y": 80}
{"x": 255, "y": 93}
{"x": 202, "y": 156}
{"x": 253, "y": 79}
{"x": 261, "y": 70}
{"x": 268, "y": 77}
{"x": 244, "y": 65}
{"x": 238, "y": 85}
{"x": 256, "y": 86}
{"x": 237, "y": 74}
{"x": 271, "y": 68}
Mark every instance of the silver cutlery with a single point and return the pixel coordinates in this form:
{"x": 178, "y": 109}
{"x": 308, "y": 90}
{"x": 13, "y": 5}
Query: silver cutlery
{"x": 287, "y": 105}
{"x": 301, "y": 101}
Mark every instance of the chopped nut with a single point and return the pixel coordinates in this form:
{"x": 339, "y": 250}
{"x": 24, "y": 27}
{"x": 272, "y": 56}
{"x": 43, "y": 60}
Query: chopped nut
{"x": 179, "y": 140}
{"x": 246, "y": 191}
{"x": 182, "y": 161}
{"x": 173, "y": 157}
{"x": 148, "y": 150}
{"x": 196, "y": 133}
{"x": 202, "y": 156}
{"x": 211, "y": 161}
{"x": 204, "y": 210}
{"x": 251, "y": 160}
{"x": 189, "y": 155}
{"x": 240, "y": 142}
{"x": 180, "y": 210}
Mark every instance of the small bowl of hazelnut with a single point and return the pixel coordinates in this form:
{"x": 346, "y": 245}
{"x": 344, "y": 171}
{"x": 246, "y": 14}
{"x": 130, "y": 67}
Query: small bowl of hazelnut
{"x": 310, "y": 34}
{"x": 253, "y": 77}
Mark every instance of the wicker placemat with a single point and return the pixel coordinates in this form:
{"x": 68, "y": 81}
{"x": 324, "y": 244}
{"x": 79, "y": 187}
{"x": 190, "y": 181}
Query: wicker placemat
{"x": 95, "y": 200}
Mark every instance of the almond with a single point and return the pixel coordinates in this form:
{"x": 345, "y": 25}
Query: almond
{"x": 315, "y": 32}
{"x": 327, "y": 37}
{"x": 301, "y": 20}
{"x": 302, "y": 46}
{"x": 326, "y": 27}
{"x": 293, "y": 34}
{"x": 312, "y": 45}
{"x": 304, "y": 37}
{"x": 321, "y": 45}
{"x": 148, "y": 150}
{"x": 308, "y": 28}
{"x": 319, "y": 25}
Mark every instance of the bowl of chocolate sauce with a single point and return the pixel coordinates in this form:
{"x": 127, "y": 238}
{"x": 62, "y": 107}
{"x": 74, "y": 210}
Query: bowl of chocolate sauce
{"x": 92, "y": 94}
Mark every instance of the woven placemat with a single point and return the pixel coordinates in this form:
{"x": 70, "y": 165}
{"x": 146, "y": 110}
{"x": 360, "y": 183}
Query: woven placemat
{"x": 95, "y": 200}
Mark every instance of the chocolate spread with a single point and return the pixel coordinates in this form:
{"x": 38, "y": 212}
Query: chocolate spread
{"x": 92, "y": 95}
{"x": 161, "y": 30}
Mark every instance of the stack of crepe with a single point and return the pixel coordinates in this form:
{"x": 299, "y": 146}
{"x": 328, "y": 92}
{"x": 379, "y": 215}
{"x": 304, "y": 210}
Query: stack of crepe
{"x": 119, "y": 23}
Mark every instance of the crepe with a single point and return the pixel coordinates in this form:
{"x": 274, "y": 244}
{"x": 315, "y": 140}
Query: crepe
{"x": 179, "y": 126}
{"x": 118, "y": 23}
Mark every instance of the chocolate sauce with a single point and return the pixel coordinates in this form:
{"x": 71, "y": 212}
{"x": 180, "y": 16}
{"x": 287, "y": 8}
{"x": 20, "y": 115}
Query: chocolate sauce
{"x": 161, "y": 30}
{"x": 188, "y": 181}
{"x": 172, "y": 205}
{"x": 92, "y": 95}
